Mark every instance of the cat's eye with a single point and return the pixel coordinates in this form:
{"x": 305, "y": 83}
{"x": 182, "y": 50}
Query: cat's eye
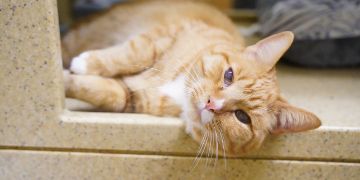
{"x": 228, "y": 77}
{"x": 242, "y": 116}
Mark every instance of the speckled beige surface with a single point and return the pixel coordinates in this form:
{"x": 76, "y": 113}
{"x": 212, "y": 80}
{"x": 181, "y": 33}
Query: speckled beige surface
{"x": 32, "y": 118}
{"x": 62, "y": 165}
{"x": 333, "y": 94}
{"x": 31, "y": 96}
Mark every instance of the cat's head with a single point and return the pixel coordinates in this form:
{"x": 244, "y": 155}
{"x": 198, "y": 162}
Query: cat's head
{"x": 236, "y": 95}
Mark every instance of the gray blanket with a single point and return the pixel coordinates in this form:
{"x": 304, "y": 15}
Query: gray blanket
{"x": 311, "y": 19}
{"x": 327, "y": 32}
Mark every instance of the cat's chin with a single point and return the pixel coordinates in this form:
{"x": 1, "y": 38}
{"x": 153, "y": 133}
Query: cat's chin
{"x": 197, "y": 135}
{"x": 206, "y": 116}
{"x": 232, "y": 152}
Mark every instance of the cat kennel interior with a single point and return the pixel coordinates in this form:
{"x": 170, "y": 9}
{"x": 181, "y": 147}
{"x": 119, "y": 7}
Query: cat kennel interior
{"x": 40, "y": 138}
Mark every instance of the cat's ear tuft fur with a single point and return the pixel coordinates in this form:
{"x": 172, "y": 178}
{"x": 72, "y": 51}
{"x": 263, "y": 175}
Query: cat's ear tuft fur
{"x": 292, "y": 119}
{"x": 269, "y": 50}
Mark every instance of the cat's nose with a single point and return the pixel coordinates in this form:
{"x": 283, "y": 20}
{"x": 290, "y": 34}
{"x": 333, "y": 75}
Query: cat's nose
{"x": 214, "y": 104}
{"x": 210, "y": 105}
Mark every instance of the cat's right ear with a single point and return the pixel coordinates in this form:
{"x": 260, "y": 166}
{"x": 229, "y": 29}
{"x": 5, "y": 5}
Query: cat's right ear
{"x": 292, "y": 119}
{"x": 268, "y": 51}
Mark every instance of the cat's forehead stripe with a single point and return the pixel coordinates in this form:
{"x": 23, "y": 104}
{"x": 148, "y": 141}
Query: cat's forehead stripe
{"x": 226, "y": 57}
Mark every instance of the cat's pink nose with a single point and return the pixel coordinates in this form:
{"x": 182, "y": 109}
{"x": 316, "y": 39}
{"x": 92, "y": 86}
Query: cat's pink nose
{"x": 214, "y": 104}
{"x": 210, "y": 105}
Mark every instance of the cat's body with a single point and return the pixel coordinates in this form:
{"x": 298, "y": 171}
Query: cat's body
{"x": 191, "y": 34}
{"x": 169, "y": 59}
{"x": 125, "y": 21}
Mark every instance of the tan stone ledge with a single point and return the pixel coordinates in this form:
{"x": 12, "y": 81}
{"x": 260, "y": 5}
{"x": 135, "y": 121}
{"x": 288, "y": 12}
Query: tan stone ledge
{"x": 72, "y": 165}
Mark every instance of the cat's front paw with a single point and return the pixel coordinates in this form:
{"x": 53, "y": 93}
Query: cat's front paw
{"x": 79, "y": 64}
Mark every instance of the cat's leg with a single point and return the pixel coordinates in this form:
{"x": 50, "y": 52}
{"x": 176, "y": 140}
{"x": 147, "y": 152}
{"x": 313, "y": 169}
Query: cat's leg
{"x": 130, "y": 57}
{"x": 104, "y": 93}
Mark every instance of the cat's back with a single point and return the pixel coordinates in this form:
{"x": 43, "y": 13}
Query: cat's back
{"x": 123, "y": 21}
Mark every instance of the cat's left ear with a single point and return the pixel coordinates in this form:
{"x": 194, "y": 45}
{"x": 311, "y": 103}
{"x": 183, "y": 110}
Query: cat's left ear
{"x": 269, "y": 50}
{"x": 292, "y": 119}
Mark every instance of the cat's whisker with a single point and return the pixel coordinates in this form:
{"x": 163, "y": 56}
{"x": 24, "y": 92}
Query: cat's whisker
{"x": 209, "y": 149}
{"x": 202, "y": 143}
{"x": 213, "y": 152}
{"x": 190, "y": 92}
{"x": 197, "y": 75}
{"x": 223, "y": 144}
{"x": 205, "y": 145}
{"x": 212, "y": 148}
{"x": 178, "y": 70}
{"x": 198, "y": 88}
{"x": 195, "y": 91}
{"x": 189, "y": 82}
{"x": 217, "y": 144}
{"x": 198, "y": 156}
{"x": 194, "y": 75}
{"x": 202, "y": 90}
{"x": 190, "y": 75}
{"x": 206, "y": 142}
{"x": 195, "y": 81}
{"x": 194, "y": 78}
{"x": 189, "y": 71}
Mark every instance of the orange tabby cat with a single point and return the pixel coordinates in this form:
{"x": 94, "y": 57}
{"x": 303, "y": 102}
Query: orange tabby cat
{"x": 187, "y": 60}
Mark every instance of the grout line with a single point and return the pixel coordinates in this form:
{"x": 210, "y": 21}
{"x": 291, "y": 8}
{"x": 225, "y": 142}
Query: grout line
{"x": 152, "y": 153}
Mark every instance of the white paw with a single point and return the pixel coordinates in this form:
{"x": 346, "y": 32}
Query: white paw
{"x": 79, "y": 64}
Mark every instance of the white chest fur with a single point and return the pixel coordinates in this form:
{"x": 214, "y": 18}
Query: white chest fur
{"x": 176, "y": 91}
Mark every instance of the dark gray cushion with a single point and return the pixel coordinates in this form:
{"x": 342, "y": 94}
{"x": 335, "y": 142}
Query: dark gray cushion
{"x": 327, "y": 32}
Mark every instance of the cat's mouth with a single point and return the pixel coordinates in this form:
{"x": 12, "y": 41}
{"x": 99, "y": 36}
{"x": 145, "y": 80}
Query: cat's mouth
{"x": 206, "y": 116}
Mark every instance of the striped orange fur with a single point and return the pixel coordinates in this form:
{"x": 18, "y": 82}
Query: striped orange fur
{"x": 170, "y": 59}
